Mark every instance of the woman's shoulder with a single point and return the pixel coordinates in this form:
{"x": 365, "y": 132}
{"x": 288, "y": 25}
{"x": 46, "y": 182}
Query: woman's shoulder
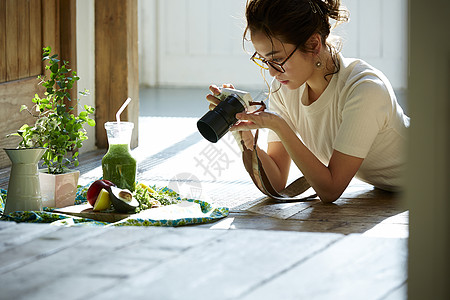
{"x": 355, "y": 71}
{"x": 361, "y": 85}
{"x": 357, "y": 75}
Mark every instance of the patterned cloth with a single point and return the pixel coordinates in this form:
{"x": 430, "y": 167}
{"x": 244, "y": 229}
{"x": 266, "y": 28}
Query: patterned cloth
{"x": 208, "y": 214}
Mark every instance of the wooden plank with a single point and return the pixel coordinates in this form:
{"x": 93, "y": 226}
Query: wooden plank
{"x": 116, "y": 64}
{"x": 36, "y": 272}
{"x": 371, "y": 210}
{"x": 2, "y": 41}
{"x": 280, "y": 210}
{"x": 4, "y": 175}
{"x": 355, "y": 215}
{"x": 46, "y": 244}
{"x": 376, "y": 217}
{"x": 388, "y": 230}
{"x": 91, "y": 262}
{"x": 364, "y": 190}
{"x": 35, "y": 38}
{"x": 250, "y": 220}
{"x": 69, "y": 286}
{"x": 109, "y": 23}
{"x": 7, "y": 224}
{"x": 140, "y": 249}
{"x": 133, "y": 69}
{"x": 101, "y": 261}
{"x": 355, "y": 267}
{"x": 226, "y": 267}
{"x": 51, "y": 25}
{"x": 68, "y": 43}
{"x": 359, "y": 203}
{"x": 379, "y": 228}
{"x": 12, "y": 95}
{"x": 23, "y": 42}
{"x": 12, "y": 34}
{"x": 14, "y": 234}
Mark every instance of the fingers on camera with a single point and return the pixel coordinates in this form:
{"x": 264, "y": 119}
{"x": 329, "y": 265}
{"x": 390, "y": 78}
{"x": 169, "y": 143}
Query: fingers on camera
{"x": 211, "y": 98}
{"x": 214, "y": 89}
{"x": 213, "y": 101}
{"x": 228, "y": 85}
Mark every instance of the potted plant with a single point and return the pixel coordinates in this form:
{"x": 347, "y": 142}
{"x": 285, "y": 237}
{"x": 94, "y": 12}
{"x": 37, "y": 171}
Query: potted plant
{"x": 58, "y": 129}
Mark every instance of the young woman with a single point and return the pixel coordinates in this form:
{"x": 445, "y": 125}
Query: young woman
{"x": 334, "y": 117}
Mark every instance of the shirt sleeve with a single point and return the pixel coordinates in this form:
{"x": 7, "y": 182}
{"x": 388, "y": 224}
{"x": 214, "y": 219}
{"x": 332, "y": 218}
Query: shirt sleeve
{"x": 364, "y": 114}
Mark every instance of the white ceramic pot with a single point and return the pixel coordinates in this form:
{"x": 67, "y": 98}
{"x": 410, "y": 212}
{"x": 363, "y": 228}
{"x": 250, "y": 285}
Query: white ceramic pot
{"x": 23, "y": 188}
{"x": 58, "y": 190}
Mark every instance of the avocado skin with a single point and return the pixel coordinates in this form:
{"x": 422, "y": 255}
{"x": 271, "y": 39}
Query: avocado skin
{"x": 120, "y": 205}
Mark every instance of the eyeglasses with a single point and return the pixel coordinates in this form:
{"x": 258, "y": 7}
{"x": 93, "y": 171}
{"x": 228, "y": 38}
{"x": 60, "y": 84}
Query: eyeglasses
{"x": 264, "y": 63}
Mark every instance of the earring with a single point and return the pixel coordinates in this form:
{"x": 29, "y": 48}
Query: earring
{"x": 318, "y": 64}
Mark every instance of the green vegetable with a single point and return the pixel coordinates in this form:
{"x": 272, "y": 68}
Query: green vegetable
{"x": 154, "y": 197}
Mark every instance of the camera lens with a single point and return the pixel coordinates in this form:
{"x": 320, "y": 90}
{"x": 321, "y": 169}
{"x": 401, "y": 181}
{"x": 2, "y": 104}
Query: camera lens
{"x": 215, "y": 123}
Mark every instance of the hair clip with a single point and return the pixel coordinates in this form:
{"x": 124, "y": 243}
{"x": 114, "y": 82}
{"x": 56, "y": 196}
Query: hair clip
{"x": 315, "y": 7}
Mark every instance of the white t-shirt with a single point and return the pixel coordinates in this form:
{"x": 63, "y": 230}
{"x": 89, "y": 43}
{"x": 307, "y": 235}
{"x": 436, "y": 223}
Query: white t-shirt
{"x": 357, "y": 114}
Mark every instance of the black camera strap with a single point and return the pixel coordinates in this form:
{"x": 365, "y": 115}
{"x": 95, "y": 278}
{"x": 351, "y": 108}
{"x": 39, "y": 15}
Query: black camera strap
{"x": 297, "y": 191}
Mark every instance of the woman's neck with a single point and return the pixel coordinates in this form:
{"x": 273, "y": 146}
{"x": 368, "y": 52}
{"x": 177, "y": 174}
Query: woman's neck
{"x": 318, "y": 82}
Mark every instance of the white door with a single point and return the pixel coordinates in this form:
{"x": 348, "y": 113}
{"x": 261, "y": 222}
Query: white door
{"x": 198, "y": 42}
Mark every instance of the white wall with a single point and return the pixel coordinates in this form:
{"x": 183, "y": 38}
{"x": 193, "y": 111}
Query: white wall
{"x": 377, "y": 32}
{"x": 86, "y": 61}
{"x": 198, "y": 42}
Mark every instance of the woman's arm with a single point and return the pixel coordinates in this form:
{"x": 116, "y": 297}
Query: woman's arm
{"x": 276, "y": 163}
{"x": 330, "y": 181}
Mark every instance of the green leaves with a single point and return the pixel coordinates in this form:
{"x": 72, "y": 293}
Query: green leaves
{"x": 91, "y": 122}
{"x": 56, "y": 129}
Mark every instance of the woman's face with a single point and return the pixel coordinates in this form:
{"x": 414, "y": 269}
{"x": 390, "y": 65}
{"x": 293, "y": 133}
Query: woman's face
{"x": 298, "y": 68}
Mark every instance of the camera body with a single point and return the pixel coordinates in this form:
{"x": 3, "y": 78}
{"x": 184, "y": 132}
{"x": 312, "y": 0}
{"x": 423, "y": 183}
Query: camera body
{"x": 244, "y": 97}
{"x": 216, "y": 123}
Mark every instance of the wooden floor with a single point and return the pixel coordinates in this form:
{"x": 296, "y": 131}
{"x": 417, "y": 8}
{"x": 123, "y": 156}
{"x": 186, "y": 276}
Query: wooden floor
{"x": 48, "y": 262}
{"x": 355, "y": 248}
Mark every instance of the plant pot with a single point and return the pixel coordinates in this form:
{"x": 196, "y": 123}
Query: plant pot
{"x": 58, "y": 190}
{"x": 24, "y": 192}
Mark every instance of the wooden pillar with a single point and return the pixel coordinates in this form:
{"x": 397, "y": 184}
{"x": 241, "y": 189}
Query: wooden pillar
{"x": 116, "y": 71}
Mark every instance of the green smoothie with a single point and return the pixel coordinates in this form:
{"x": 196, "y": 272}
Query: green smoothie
{"x": 119, "y": 166}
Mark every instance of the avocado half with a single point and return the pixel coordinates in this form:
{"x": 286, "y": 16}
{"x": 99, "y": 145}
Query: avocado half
{"x": 122, "y": 200}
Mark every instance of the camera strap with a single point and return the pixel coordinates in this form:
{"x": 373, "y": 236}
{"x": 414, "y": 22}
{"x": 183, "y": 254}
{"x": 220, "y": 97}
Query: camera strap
{"x": 297, "y": 191}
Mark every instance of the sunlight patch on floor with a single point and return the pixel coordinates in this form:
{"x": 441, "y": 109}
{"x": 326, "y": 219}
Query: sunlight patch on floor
{"x": 392, "y": 227}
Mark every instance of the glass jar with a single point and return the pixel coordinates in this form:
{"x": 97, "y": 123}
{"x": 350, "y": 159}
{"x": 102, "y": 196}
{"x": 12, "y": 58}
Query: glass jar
{"x": 118, "y": 165}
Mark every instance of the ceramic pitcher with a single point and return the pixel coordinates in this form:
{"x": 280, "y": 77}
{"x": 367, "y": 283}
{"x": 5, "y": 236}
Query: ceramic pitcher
{"x": 24, "y": 193}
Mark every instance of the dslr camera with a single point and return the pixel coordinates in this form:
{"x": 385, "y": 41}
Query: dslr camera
{"x": 215, "y": 123}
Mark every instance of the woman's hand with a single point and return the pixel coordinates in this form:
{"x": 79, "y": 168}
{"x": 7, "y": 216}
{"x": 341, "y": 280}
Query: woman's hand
{"x": 213, "y": 100}
{"x": 277, "y": 163}
{"x": 256, "y": 120}
{"x": 215, "y": 92}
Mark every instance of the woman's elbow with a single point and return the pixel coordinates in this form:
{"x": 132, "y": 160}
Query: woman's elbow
{"x": 329, "y": 197}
